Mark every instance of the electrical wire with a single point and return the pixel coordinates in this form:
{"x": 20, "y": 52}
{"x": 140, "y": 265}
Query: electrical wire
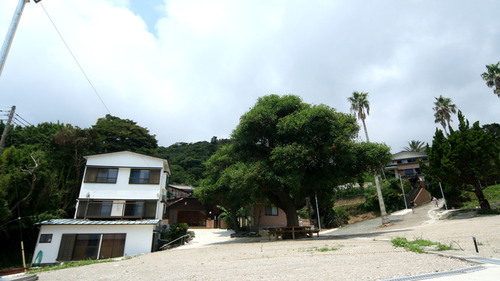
{"x": 28, "y": 123}
{"x": 74, "y": 58}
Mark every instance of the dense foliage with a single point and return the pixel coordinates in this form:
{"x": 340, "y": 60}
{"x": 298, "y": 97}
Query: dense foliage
{"x": 41, "y": 169}
{"x": 467, "y": 160}
{"x": 186, "y": 159}
{"x": 287, "y": 150}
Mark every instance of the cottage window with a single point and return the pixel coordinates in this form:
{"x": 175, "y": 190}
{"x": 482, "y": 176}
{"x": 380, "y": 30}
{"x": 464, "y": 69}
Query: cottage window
{"x": 45, "y": 238}
{"x": 144, "y": 176}
{"x": 112, "y": 246}
{"x": 271, "y": 211}
{"x": 87, "y": 246}
{"x": 101, "y": 175}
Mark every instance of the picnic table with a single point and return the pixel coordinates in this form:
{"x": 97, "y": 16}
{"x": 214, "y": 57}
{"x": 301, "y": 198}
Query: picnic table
{"x": 279, "y": 231}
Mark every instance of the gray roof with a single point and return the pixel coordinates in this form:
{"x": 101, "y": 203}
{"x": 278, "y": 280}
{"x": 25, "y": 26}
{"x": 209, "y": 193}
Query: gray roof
{"x": 104, "y": 222}
{"x": 408, "y": 154}
{"x": 185, "y": 188}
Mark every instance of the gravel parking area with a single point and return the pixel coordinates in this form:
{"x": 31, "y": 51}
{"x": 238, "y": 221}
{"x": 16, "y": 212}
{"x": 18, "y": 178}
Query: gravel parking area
{"x": 353, "y": 253}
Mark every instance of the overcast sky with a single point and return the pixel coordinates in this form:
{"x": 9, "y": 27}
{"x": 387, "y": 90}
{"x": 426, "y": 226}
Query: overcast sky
{"x": 187, "y": 70}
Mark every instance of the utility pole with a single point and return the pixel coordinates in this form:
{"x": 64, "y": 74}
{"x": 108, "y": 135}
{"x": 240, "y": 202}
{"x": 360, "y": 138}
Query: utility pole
{"x": 6, "y": 129}
{"x": 10, "y": 33}
{"x": 383, "y": 213}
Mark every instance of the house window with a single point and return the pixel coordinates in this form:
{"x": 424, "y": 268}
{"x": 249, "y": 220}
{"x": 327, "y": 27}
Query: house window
{"x": 45, "y": 238}
{"x": 101, "y": 175}
{"x": 134, "y": 209}
{"x": 106, "y": 208}
{"x": 117, "y": 209}
{"x": 86, "y": 246}
{"x": 409, "y": 172}
{"x": 144, "y": 176}
{"x": 112, "y": 246}
{"x": 271, "y": 211}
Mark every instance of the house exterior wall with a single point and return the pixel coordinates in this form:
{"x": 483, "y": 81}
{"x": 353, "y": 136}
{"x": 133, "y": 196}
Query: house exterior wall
{"x": 138, "y": 240}
{"x": 122, "y": 189}
{"x": 187, "y": 205}
{"x": 262, "y": 220}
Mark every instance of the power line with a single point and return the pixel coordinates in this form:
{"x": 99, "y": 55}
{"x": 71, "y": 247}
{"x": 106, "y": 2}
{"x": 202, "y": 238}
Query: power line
{"x": 24, "y": 120}
{"x": 77, "y": 63}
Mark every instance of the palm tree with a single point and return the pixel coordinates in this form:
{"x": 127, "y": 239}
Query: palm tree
{"x": 492, "y": 77}
{"x": 359, "y": 103}
{"x": 444, "y": 108}
{"x": 415, "y": 146}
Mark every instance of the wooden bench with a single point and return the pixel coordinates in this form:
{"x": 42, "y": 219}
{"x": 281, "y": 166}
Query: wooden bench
{"x": 279, "y": 231}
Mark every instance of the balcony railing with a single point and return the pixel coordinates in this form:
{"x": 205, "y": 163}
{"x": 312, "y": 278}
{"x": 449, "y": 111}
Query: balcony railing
{"x": 116, "y": 209}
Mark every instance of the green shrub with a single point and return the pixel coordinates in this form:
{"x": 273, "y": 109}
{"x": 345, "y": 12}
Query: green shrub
{"x": 337, "y": 217}
{"x": 177, "y": 230}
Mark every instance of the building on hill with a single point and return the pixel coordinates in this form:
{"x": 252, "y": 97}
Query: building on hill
{"x": 406, "y": 164}
{"x": 119, "y": 211}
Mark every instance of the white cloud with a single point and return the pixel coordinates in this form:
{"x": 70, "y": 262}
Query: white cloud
{"x": 209, "y": 61}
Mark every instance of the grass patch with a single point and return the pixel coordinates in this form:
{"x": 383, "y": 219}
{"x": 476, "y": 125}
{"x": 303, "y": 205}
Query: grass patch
{"x": 320, "y": 249}
{"x": 492, "y": 193}
{"x": 418, "y": 245}
{"x": 68, "y": 265}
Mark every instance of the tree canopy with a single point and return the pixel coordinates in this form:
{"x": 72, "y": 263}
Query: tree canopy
{"x": 287, "y": 150}
{"x": 464, "y": 159}
{"x": 360, "y": 105}
{"x": 114, "y": 134}
{"x": 492, "y": 77}
{"x": 415, "y": 146}
{"x": 443, "y": 108}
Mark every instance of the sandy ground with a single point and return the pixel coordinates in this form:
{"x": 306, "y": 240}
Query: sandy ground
{"x": 358, "y": 252}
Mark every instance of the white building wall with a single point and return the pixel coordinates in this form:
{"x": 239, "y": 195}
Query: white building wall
{"x": 122, "y": 189}
{"x": 125, "y": 161}
{"x": 138, "y": 239}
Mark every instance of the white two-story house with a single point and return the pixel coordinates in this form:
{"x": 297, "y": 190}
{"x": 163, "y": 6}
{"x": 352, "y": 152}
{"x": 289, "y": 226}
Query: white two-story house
{"x": 119, "y": 211}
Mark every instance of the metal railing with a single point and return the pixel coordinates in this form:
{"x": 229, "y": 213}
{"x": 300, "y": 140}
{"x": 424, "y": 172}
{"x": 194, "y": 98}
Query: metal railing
{"x": 167, "y": 246}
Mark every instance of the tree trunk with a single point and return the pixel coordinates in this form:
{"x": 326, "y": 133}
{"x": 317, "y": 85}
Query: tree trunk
{"x": 366, "y": 131}
{"x": 483, "y": 202}
{"x": 291, "y": 215}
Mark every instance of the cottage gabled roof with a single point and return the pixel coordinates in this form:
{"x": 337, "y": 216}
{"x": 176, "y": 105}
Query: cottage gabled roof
{"x": 147, "y": 161}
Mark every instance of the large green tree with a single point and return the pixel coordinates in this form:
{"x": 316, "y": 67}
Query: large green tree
{"x": 228, "y": 183}
{"x": 443, "y": 108}
{"x": 292, "y": 150}
{"x": 186, "y": 159}
{"x": 112, "y": 134}
{"x": 464, "y": 159}
{"x": 492, "y": 77}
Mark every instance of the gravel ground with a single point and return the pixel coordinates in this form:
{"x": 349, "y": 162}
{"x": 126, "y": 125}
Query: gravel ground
{"x": 358, "y": 252}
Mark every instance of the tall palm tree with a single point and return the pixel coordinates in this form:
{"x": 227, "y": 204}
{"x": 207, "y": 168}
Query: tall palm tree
{"x": 444, "y": 108}
{"x": 359, "y": 103}
{"x": 415, "y": 146}
{"x": 492, "y": 77}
